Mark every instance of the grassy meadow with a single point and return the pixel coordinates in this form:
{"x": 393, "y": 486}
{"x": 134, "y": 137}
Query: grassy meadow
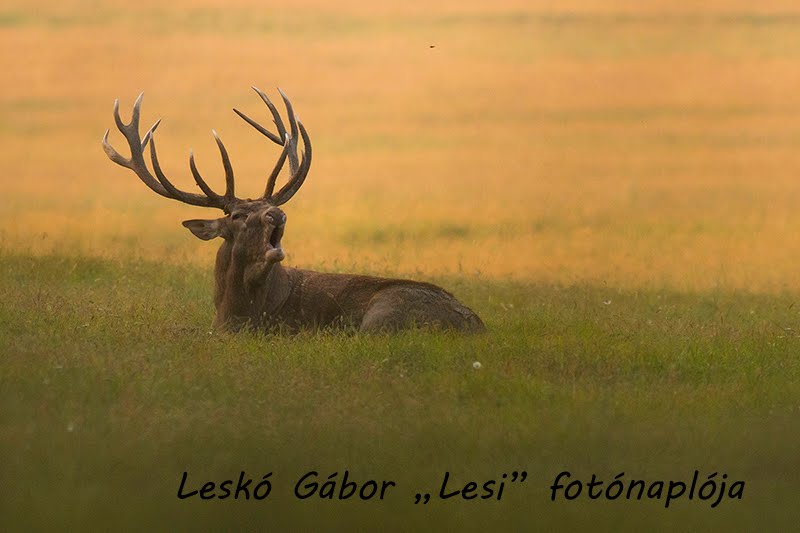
{"x": 612, "y": 186}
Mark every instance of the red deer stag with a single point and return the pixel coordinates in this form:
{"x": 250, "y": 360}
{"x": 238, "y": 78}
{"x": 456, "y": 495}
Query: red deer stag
{"x": 252, "y": 288}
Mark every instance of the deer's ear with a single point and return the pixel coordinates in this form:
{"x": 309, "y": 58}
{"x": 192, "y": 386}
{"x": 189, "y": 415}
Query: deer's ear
{"x": 206, "y": 229}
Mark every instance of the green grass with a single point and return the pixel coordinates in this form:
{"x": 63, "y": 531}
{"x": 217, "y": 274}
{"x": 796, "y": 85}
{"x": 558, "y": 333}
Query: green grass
{"x": 112, "y": 385}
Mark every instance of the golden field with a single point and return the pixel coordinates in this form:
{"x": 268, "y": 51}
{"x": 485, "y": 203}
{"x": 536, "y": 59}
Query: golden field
{"x": 616, "y": 143}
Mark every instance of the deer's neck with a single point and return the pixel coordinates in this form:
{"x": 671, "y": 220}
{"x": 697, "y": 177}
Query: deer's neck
{"x": 247, "y": 291}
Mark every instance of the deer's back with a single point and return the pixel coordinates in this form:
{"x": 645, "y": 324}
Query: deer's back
{"x": 369, "y": 303}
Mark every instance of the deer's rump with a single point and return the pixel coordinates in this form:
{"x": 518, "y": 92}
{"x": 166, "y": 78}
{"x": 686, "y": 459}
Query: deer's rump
{"x": 371, "y": 304}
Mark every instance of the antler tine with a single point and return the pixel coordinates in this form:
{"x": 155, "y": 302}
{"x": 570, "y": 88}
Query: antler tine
{"x": 226, "y": 163}
{"x": 149, "y": 134}
{"x": 199, "y": 179}
{"x": 298, "y": 177}
{"x": 112, "y": 154}
{"x": 276, "y": 117}
{"x": 277, "y": 169}
{"x": 277, "y": 139}
{"x": 159, "y": 184}
{"x": 171, "y": 189}
{"x": 117, "y": 119}
{"x": 261, "y": 129}
{"x": 229, "y": 181}
{"x": 293, "y": 125}
{"x": 137, "y": 106}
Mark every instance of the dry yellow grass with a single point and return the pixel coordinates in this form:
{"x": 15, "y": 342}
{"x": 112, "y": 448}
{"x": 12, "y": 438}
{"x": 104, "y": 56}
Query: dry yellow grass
{"x": 584, "y": 141}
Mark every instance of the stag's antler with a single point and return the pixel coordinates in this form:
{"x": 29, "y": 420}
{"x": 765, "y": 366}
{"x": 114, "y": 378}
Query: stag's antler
{"x": 298, "y": 171}
{"x": 160, "y": 184}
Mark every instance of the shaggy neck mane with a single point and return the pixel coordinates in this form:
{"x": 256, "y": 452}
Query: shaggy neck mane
{"x": 247, "y": 292}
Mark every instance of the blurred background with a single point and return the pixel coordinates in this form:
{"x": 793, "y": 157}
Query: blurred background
{"x": 625, "y": 143}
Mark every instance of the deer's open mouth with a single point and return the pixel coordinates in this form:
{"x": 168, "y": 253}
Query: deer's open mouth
{"x": 275, "y": 237}
{"x": 274, "y": 252}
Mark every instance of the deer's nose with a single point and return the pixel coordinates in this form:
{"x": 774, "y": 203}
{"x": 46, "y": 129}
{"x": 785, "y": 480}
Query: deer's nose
{"x": 275, "y": 216}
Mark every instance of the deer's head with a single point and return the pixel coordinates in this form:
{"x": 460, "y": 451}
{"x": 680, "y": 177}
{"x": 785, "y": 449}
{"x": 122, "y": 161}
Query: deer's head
{"x": 254, "y": 227}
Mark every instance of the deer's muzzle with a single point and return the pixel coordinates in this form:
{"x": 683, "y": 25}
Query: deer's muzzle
{"x": 274, "y": 223}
